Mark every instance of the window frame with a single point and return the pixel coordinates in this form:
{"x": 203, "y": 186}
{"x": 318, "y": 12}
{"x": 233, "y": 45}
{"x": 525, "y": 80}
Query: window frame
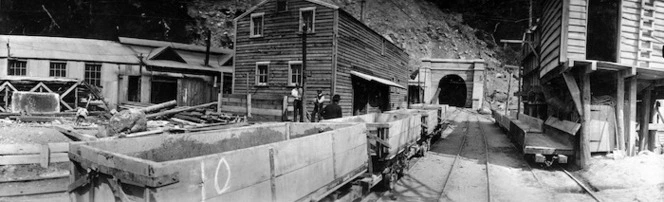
{"x": 23, "y": 70}
{"x": 285, "y": 2}
{"x": 290, "y": 72}
{"x": 313, "y": 19}
{"x": 87, "y": 78}
{"x": 52, "y": 71}
{"x": 251, "y": 25}
{"x": 258, "y": 75}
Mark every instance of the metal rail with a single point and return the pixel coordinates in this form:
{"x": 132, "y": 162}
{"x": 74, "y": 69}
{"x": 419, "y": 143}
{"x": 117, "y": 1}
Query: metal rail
{"x": 590, "y": 192}
{"x": 486, "y": 152}
{"x": 449, "y": 173}
{"x": 463, "y": 142}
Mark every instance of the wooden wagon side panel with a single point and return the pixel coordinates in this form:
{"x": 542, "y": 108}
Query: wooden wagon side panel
{"x": 242, "y": 175}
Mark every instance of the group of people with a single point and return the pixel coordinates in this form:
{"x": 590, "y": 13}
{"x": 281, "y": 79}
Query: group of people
{"x": 331, "y": 111}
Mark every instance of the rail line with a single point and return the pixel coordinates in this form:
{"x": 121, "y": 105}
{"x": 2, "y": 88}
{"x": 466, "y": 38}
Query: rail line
{"x": 577, "y": 181}
{"x": 588, "y": 191}
{"x": 461, "y": 147}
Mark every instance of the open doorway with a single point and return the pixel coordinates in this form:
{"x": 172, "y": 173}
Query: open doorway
{"x": 163, "y": 89}
{"x": 452, "y": 91}
{"x": 134, "y": 89}
{"x": 369, "y": 96}
{"x": 603, "y": 27}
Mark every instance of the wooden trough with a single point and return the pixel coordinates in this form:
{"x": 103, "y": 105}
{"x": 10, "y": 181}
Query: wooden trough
{"x": 266, "y": 162}
{"x": 429, "y": 119}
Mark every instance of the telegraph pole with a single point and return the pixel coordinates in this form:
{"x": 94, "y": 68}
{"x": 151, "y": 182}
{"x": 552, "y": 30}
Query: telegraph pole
{"x": 303, "y": 74}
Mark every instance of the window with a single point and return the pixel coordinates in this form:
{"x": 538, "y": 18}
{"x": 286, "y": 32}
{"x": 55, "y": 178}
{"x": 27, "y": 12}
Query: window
{"x": 294, "y": 73}
{"x": 262, "y": 73}
{"x": 58, "y": 69}
{"x": 256, "y": 25}
{"x": 17, "y": 68}
{"x": 282, "y": 5}
{"x": 93, "y": 74}
{"x": 307, "y": 17}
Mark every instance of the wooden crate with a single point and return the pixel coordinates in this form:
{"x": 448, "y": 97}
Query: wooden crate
{"x": 444, "y": 111}
{"x": 266, "y": 162}
{"x": 397, "y": 131}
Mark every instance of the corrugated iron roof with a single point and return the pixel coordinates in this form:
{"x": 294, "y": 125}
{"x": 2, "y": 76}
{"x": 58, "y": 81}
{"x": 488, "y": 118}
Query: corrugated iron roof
{"x": 181, "y": 46}
{"x": 61, "y": 48}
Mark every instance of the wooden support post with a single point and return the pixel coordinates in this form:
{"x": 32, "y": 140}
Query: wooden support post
{"x": 509, "y": 91}
{"x": 620, "y": 115}
{"x": 284, "y": 109}
{"x": 645, "y": 117}
{"x": 574, "y": 91}
{"x": 248, "y": 105}
{"x": 221, "y": 92}
{"x": 584, "y": 139}
{"x": 631, "y": 115}
{"x": 303, "y": 98}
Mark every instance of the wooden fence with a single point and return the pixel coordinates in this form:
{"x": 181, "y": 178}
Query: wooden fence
{"x": 276, "y": 107}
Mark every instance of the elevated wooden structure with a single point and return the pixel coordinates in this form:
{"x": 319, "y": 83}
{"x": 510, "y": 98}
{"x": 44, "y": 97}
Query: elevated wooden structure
{"x": 603, "y": 48}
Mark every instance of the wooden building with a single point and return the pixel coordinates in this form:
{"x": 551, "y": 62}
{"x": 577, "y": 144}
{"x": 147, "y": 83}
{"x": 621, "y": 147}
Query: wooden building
{"x": 344, "y": 56}
{"x": 174, "y": 71}
{"x": 585, "y": 55}
{"x": 132, "y": 70}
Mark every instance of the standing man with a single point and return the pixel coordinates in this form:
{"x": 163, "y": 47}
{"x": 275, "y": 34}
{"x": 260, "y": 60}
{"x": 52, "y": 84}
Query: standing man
{"x": 333, "y": 110}
{"x": 318, "y": 106}
{"x": 297, "y": 103}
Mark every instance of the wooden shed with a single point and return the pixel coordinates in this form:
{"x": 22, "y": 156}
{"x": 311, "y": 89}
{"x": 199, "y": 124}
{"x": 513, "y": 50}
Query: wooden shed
{"x": 583, "y": 54}
{"x": 344, "y": 56}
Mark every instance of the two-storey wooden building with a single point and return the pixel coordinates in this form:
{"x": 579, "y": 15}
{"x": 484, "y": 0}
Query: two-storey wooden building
{"x": 344, "y": 56}
{"x": 589, "y": 60}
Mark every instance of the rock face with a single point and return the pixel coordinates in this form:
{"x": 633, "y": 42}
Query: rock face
{"x": 128, "y": 121}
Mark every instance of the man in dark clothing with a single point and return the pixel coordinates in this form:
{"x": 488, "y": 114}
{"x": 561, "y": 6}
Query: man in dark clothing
{"x": 333, "y": 110}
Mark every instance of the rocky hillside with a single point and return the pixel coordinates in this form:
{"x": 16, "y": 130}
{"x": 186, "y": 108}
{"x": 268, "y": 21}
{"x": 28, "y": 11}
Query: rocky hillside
{"x": 420, "y": 27}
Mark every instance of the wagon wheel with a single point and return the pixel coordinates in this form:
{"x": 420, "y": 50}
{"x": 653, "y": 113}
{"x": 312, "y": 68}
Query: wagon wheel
{"x": 391, "y": 180}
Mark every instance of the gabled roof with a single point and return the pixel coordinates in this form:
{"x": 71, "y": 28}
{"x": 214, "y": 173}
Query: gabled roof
{"x": 319, "y": 2}
{"x": 181, "y": 46}
{"x": 60, "y": 48}
{"x": 165, "y": 53}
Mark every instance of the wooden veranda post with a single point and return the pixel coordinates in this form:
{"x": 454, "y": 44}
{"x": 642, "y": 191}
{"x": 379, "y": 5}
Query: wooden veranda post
{"x": 645, "y": 117}
{"x": 631, "y": 120}
{"x": 584, "y": 139}
{"x": 620, "y": 105}
{"x": 304, "y": 69}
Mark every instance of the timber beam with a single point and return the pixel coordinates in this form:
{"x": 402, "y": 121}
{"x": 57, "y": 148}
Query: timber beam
{"x": 574, "y": 91}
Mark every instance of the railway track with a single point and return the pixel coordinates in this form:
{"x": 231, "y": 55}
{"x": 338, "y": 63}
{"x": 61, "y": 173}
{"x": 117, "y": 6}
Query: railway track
{"x": 560, "y": 168}
{"x": 458, "y": 155}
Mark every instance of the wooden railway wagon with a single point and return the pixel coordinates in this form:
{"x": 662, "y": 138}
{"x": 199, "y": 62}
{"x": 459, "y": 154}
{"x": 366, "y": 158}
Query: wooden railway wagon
{"x": 546, "y": 142}
{"x": 392, "y": 140}
{"x": 429, "y": 121}
{"x": 266, "y": 162}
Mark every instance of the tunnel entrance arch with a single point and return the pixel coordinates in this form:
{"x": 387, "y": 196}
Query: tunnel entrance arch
{"x": 452, "y": 91}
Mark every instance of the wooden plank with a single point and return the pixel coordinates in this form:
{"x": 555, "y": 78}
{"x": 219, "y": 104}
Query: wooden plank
{"x": 584, "y": 139}
{"x": 180, "y": 109}
{"x": 620, "y": 106}
{"x": 34, "y": 118}
{"x": 34, "y": 188}
{"x": 573, "y": 90}
{"x": 14, "y": 149}
{"x": 75, "y": 135}
{"x": 32, "y": 159}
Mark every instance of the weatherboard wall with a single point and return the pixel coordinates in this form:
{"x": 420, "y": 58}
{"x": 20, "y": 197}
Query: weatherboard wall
{"x": 282, "y": 42}
{"x": 550, "y": 26}
{"x": 362, "y": 49}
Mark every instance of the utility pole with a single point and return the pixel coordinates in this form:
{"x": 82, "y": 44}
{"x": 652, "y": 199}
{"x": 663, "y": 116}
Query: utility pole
{"x": 304, "y": 70}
